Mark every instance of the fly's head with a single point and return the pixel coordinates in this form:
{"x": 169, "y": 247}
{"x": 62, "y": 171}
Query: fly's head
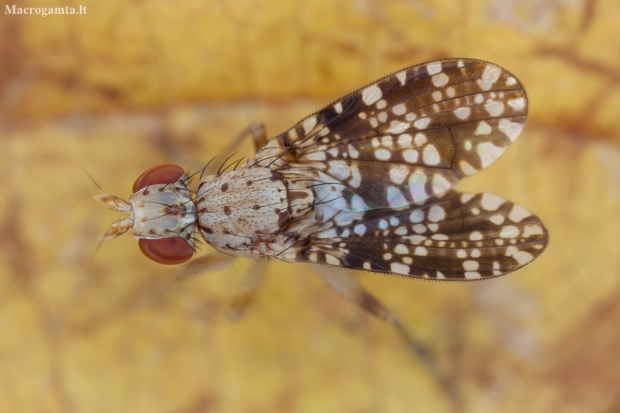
{"x": 162, "y": 215}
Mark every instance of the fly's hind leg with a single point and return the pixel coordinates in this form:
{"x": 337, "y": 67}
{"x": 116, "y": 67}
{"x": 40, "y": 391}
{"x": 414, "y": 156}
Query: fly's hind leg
{"x": 258, "y": 133}
{"x": 347, "y": 286}
{"x": 246, "y": 294}
{"x": 259, "y": 137}
{"x": 211, "y": 262}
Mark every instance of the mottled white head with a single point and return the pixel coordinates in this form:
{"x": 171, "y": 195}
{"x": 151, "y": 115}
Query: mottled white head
{"x": 162, "y": 215}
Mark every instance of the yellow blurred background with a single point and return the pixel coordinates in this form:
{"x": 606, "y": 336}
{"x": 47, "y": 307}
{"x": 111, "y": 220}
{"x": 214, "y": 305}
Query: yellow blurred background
{"x": 132, "y": 84}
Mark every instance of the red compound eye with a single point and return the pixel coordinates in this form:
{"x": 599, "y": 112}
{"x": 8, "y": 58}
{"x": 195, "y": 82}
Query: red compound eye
{"x": 169, "y": 251}
{"x": 162, "y": 174}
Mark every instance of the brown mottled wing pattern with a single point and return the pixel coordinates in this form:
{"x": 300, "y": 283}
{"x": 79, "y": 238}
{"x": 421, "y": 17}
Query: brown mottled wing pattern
{"x": 455, "y": 236}
{"x": 383, "y": 160}
{"x": 409, "y": 136}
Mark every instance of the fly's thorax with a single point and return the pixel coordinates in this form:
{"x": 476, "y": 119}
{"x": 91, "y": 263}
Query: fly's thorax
{"x": 250, "y": 211}
{"x": 164, "y": 210}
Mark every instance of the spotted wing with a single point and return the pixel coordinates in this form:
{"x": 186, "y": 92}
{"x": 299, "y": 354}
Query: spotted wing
{"x": 455, "y": 236}
{"x": 407, "y": 137}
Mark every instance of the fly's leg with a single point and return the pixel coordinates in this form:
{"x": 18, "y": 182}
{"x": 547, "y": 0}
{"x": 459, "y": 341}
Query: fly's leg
{"x": 213, "y": 261}
{"x": 347, "y": 286}
{"x": 255, "y": 130}
{"x": 246, "y": 294}
{"x": 259, "y": 137}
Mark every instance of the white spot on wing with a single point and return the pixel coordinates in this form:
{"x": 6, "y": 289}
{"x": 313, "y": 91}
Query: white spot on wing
{"x": 433, "y": 68}
{"x": 399, "y": 268}
{"x": 404, "y": 139}
{"x": 316, "y": 156}
{"x": 353, "y": 153}
{"x": 383, "y": 154}
{"x": 338, "y": 107}
{"x": 491, "y": 202}
{"x": 339, "y": 169}
{"x": 422, "y": 123}
{"x": 517, "y": 104}
{"x": 475, "y": 236}
{"x": 440, "y": 184}
{"x": 330, "y": 233}
{"x": 309, "y": 124}
{"x": 396, "y": 198}
{"x": 509, "y": 231}
{"x": 356, "y": 178}
{"x": 462, "y": 112}
{"x": 399, "y": 109}
{"x": 532, "y": 230}
{"x": 522, "y": 257}
{"x": 497, "y": 219}
{"x": 387, "y": 141}
{"x": 417, "y": 182}
{"x": 494, "y": 108}
{"x": 510, "y": 129}
{"x": 397, "y": 126}
{"x": 483, "y": 128}
{"x": 466, "y": 168}
{"x": 430, "y": 155}
{"x": 440, "y": 79}
{"x": 357, "y": 203}
{"x": 401, "y": 249}
{"x": 330, "y": 259}
{"x": 401, "y": 76}
{"x": 489, "y": 153}
{"x": 371, "y": 94}
{"x": 398, "y": 173}
{"x": 410, "y": 155}
{"x": 489, "y": 76}
{"x": 436, "y": 213}
{"x": 416, "y": 216}
{"x": 470, "y": 265}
